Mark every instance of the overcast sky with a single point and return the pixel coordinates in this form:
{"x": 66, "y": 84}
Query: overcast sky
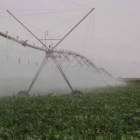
{"x": 116, "y": 34}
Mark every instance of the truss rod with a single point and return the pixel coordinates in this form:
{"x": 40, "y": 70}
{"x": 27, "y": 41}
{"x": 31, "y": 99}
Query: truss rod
{"x": 105, "y": 71}
{"x": 75, "y": 57}
{"x": 87, "y": 64}
{"x": 38, "y": 72}
{"x": 65, "y": 55}
{"x": 27, "y": 29}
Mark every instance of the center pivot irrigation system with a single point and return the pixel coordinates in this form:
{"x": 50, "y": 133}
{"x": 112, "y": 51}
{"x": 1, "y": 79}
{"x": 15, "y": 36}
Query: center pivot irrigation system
{"x": 53, "y": 54}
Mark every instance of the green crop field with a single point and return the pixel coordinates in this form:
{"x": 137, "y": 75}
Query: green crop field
{"x": 103, "y": 114}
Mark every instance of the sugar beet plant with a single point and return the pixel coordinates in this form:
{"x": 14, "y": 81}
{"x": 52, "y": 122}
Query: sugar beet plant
{"x": 104, "y": 114}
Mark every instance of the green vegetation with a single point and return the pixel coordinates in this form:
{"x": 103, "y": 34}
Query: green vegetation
{"x": 104, "y": 114}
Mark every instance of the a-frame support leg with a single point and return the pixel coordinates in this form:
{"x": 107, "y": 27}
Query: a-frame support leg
{"x": 59, "y": 68}
{"x": 62, "y": 73}
{"x": 38, "y": 72}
